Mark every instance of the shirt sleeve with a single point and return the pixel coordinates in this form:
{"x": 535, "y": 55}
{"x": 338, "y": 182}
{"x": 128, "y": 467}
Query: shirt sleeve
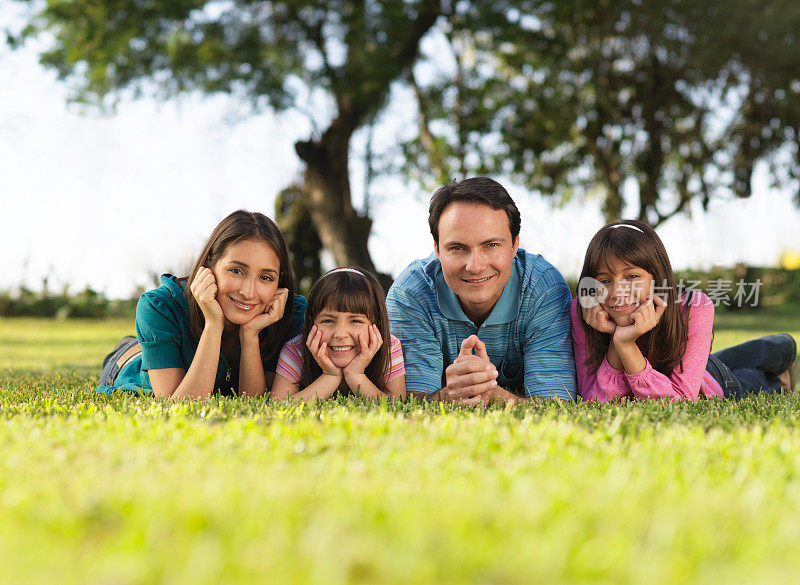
{"x": 397, "y": 366}
{"x": 298, "y": 316}
{"x": 159, "y": 334}
{"x": 547, "y": 352}
{"x": 412, "y": 324}
{"x": 290, "y": 360}
{"x": 686, "y": 378}
{"x": 607, "y": 383}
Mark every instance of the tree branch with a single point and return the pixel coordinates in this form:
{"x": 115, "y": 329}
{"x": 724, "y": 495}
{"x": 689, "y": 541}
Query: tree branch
{"x": 685, "y": 196}
{"x": 435, "y": 159}
{"x": 363, "y": 100}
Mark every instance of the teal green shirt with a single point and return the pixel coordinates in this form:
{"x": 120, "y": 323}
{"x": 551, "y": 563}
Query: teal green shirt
{"x": 164, "y": 331}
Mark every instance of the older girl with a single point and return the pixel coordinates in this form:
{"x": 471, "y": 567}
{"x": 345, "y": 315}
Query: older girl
{"x": 636, "y": 335}
{"x": 219, "y": 329}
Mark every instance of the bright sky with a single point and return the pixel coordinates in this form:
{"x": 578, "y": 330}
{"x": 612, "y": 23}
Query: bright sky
{"x": 109, "y": 200}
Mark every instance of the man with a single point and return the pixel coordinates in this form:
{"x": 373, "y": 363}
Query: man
{"x": 481, "y": 316}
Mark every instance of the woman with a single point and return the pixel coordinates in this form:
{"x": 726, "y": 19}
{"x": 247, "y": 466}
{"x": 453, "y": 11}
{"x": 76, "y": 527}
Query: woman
{"x": 221, "y": 328}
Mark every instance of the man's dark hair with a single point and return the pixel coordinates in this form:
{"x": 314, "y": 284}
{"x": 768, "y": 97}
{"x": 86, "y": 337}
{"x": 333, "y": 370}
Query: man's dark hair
{"x": 477, "y": 190}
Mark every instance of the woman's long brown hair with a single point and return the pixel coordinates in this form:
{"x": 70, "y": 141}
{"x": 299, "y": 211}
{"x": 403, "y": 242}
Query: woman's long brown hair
{"x": 241, "y": 226}
{"x": 349, "y": 290}
{"x": 665, "y": 344}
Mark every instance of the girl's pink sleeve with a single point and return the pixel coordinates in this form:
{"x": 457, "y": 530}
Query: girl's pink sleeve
{"x": 607, "y": 383}
{"x": 397, "y": 366}
{"x": 685, "y": 381}
{"x": 290, "y": 360}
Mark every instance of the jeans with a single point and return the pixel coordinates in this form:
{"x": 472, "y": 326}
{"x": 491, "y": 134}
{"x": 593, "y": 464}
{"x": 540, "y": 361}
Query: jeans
{"x": 753, "y": 366}
{"x": 126, "y": 349}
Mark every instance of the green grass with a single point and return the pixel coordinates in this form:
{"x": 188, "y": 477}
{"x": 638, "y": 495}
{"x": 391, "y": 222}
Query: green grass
{"x": 731, "y": 328}
{"x": 44, "y": 345}
{"x": 127, "y": 489}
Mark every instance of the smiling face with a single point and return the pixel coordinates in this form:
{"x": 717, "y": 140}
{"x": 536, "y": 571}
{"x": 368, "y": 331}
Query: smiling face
{"x": 627, "y": 286}
{"x": 247, "y": 278}
{"x": 477, "y": 253}
{"x": 340, "y": 330}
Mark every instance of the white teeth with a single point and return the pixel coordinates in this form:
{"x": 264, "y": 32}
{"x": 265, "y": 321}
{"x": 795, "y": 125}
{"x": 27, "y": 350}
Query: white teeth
{"x": 342, "y": 348}
{"x": 478, "y": 280}
{"x": 242, "y": 305}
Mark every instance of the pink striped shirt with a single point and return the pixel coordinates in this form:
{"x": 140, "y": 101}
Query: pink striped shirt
{"x": 688, "y": 382}
{"x": 290, "y": 361}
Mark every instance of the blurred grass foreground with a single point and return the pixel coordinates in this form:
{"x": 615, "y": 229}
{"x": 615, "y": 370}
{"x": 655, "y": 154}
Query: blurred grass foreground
{"x": 126, "y": 489}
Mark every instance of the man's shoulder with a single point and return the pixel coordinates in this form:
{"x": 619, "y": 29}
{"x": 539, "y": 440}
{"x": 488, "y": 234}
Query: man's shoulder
{"x": 417, "y": 279}
{"x": 537, "y": 274}
{"x": 545, "y": 295}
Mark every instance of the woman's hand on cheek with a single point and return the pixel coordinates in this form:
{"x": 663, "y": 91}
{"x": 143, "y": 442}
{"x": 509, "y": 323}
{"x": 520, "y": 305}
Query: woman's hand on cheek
{"x": 368, "y": 346}
{"x": 598, "y": 318}
{"x": 204, "y": 291}
{"x": 319, "y": 351}
{"x": 643, "y": 320}
{"x": 277, "y": 306}
{"x": 271, "y": 314}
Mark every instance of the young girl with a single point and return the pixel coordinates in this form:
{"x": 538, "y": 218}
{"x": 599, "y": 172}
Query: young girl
{"x": 635, "y": 335}
{"x": 341, "y": 347}
{"x": 219, "y": 329}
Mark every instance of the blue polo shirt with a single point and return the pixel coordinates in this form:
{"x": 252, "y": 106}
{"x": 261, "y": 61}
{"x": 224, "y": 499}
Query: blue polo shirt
{"x": 163, "y": 329}
{"x": 526, "y": 334}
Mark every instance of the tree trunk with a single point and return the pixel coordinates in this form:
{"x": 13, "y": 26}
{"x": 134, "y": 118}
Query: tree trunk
{"x": 612, "y": 204}
{"x": 343, "y": 231}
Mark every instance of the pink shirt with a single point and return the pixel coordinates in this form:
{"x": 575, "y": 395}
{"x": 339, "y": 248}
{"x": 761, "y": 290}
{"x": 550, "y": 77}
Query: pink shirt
{"x": 290, "y": 361}
{"x": 686, "y": 383}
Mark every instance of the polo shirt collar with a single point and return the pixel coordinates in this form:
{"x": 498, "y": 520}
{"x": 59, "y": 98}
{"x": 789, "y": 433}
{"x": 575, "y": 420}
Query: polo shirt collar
{"x": 505, "y": 311}
{"x": 177, "y": 289}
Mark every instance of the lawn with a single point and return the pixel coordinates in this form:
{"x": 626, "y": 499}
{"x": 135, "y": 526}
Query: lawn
{"x": 129, "y": 490}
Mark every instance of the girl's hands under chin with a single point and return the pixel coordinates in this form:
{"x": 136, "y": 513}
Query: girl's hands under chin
{"x": 368, "y": 346}
{"x": 643, "y": 320}
{"x": 598, "y": 318}
{"x": 271, "y": 314}
{"x": 204, "y": 291}
{"x": 319, "y": 350}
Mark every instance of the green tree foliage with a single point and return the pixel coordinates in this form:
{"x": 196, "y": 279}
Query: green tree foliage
{"x": 280, "y": 54}
{"x": 86, "y": 304}
{"x": 683, "y": 98}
